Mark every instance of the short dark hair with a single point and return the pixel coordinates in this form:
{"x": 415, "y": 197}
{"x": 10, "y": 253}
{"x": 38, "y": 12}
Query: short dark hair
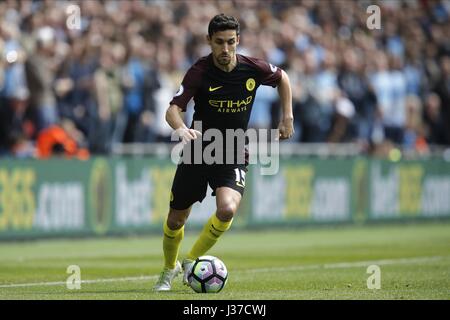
{"x": 222, "y": 22}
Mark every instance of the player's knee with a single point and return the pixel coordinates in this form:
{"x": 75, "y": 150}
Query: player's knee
{"x": 226, "y": 211}
{"x": 175, "y": 223}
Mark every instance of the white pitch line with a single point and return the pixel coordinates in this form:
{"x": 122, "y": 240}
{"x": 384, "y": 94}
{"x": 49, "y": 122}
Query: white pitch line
{"x": 59, "y": 283}
{"x": 354, "y": 264}
{"x": 339, "y": 265}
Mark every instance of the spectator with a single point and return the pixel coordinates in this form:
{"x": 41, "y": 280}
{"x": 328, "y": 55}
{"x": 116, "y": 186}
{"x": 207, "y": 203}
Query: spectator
{"x": 133, "y": 82}
{"x": 354, "y": 84}
{"x": 107, "y": 83}
{"x": 434, "y": 120}
{"x": 315, "y": 117}
{"x": 14, "y": 92}
{"x": 390, "y": 88}
{"x": 415, "y": 130}
{"x": 145, "y": 131}
{"x": 41, "y": 69}
{"x": 80, "y": 100}
{"x": 344, "y": 111}
{"x": 61, "y": 140}
{"x": 443, "y": 90}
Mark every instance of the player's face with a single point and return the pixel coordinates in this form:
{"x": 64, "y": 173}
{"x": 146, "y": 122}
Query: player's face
{"x": 223, "y": 46}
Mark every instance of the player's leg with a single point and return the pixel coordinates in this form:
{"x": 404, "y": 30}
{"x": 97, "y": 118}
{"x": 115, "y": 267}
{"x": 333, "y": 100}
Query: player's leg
{"x": 228, "y": 183}
{"x": 187, "y": 188}
{"x": 173, "y": 233}
{"x": 227, "y": 201}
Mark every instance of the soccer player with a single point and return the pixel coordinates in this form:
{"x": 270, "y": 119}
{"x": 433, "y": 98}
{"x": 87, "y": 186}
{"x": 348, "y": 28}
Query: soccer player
{"x": 223, "y": 85}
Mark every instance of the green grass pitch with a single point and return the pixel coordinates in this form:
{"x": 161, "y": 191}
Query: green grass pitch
{"x": 312, "y": 263}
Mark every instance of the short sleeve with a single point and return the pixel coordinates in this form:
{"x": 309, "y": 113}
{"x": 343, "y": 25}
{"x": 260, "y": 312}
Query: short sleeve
{"x": 270, "y": 74}
{"x": 189, "y": 87}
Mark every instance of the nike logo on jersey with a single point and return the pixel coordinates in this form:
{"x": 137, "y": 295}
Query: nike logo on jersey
{"x": 272, "y": 68}
{"x": 214, "y": 89}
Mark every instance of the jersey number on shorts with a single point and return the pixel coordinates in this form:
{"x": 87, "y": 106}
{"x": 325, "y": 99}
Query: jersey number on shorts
{"x": 240, "y": 177}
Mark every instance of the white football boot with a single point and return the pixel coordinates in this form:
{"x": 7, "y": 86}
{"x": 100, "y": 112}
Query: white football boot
{"x": 187, "y": 265}
{"x": 165, "y": 279}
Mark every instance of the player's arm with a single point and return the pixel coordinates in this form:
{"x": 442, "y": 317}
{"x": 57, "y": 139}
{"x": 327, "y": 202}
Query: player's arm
{"x": 286, "y": 125}
{"x": 188, "y": 88}
{"x": 175, "y": 119}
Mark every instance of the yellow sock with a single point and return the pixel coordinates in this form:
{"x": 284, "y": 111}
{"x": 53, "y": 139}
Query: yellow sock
{"x": 171, "y": 245}
{"x": 211, "y": 232}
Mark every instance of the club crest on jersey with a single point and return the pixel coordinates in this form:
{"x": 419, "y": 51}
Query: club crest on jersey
{"x": 250, "y": 84}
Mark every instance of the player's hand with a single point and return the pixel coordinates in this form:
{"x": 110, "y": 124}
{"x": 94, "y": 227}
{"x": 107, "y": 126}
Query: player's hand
{"x": 286, "y": 128}
{"x": 187, "y": 135}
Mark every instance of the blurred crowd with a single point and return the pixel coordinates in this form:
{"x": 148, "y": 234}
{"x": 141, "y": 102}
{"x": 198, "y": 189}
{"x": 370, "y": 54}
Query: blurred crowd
{"x": 103, "y": 72}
